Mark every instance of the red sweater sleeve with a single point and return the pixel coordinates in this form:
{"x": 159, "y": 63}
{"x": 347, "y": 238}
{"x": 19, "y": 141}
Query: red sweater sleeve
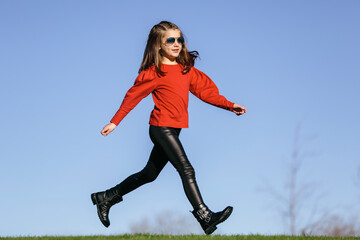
{"x": 205, "y": 89}
{"x": 143, "y": 86}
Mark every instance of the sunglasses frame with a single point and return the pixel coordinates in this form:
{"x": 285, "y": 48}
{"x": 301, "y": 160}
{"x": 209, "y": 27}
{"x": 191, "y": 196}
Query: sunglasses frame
{"x": 171, "y": 40}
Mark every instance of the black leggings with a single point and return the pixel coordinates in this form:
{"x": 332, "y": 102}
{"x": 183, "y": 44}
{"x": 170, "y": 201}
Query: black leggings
{"x": 167, "y": 147}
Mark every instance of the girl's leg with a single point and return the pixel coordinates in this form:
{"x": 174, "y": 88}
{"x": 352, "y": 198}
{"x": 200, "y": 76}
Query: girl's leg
{"x": 149, "y": 173}
{"x": 105, "y": 200}
{"x": 167, "y": 139}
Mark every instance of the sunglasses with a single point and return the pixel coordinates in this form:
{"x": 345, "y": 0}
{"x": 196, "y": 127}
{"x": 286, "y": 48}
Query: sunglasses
{"x": 171, "y": 40}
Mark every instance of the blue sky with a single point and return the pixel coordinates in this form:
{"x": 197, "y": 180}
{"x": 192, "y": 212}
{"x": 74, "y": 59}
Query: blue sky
{"x": 66, "y": 65}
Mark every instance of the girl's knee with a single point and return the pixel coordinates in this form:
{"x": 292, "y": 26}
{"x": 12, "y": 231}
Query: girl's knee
{"x": 188, "y": 171}
{"x": 149, "y": 174}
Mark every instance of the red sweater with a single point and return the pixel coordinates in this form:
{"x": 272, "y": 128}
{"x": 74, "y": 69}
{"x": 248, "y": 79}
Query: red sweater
{"x": 171, "y": 95}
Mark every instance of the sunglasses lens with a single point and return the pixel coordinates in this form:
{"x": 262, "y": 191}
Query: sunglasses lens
{"x": 170, "y": 40}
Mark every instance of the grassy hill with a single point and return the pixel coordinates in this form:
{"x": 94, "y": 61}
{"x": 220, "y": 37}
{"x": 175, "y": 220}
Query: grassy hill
{"x": 183, "y": 237}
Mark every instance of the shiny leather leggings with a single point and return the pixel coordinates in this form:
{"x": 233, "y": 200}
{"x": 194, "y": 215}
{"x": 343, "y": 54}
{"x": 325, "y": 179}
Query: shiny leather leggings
{"x": 167, "y": 148}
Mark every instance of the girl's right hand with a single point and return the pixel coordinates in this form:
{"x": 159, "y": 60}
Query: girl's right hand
{"x": 108, "y": 129}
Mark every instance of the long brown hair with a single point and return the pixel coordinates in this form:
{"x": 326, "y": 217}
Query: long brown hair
{"x": 152, "y": 54}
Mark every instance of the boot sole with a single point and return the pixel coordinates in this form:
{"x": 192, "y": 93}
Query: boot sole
{"x": 95, "y": 202}
{"x": 223, "y": 217}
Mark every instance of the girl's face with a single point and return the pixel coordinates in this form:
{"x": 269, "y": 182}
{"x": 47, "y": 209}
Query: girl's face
{"x": 170, "y": 50}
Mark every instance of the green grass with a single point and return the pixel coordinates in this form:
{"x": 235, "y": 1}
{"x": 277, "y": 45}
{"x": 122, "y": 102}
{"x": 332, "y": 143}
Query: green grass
{"x": 183, "y": 237}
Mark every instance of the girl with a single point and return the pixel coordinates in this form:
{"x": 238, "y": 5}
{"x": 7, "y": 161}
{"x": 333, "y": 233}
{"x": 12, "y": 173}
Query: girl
{"x": 167, "y": 71}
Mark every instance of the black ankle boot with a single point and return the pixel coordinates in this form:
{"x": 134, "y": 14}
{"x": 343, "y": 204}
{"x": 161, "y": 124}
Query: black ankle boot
{"x": 104, "y": 201}
{"x": 208, "y": 219}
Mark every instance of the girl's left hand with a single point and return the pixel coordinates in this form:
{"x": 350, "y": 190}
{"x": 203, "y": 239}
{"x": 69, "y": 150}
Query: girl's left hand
{"x": 239, "y": 110}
